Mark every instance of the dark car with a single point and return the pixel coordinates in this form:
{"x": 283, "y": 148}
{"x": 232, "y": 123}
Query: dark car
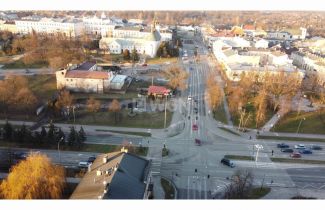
{"x": 295, "y": 155}
{"x": 282, "y": 145}
{"x": 20, "y": 155}
{"x": 316, "y": 147}
{"x": 305, "y": 151}
{"x": 91, "y": 159}
{"x": 227, "y": 162}
{"x": 287, "y": 150}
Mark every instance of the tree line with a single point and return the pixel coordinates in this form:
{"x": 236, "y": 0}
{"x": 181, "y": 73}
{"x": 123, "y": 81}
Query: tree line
{"x": 43, "y": 138}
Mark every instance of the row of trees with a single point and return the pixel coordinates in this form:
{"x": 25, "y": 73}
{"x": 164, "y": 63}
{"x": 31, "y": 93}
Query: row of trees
{"x": 259, "y": 93}
{"x": 44, "y": 137}
{"x": 133, "y": 56}
{"x": 15, "y": 95}
{"x": 214, "y": 92}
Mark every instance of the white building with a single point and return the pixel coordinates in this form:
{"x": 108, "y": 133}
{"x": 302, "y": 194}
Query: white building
{"x": 288, "y": 34}
{"x": 129, "y": 38}
{"x": 52, "y": 26}
{"x": 261, "y": 43}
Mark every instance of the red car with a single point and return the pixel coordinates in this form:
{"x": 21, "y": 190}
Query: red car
{"x": 194, "y": 127}
{"x": 295, "y": 155}
{"x": 144, "y": 64}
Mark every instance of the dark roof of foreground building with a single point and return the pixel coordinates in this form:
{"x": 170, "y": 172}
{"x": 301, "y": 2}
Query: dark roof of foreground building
{"x": 116, "y": 175}
{"x": 86, "y": 66}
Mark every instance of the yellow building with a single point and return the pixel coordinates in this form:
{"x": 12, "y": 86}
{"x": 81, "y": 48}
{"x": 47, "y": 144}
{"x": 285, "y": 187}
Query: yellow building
{"x": 8, "y": 26}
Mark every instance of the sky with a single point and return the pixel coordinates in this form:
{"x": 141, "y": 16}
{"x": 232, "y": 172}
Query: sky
{"x": 310, "y": 5}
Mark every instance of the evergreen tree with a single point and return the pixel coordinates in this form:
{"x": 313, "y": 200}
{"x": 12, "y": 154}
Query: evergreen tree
{"x": 21, "y": 134}
{"x": 60, "y": 136}
{"x": 82, "y": 135}
{"x": 134, "y": 55}
{"x": 43, "y": 134}
{"x": 38, "y": 138}
{"x": 72, "y": 136}
{"x": 51, "y": 134}
{"x": 7, "y": 131}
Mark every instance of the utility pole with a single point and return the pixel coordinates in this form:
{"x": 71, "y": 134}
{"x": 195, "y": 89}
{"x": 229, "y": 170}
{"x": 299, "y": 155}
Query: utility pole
{"x": 300, "y": 125}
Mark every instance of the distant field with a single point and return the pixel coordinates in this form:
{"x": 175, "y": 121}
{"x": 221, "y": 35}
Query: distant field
{"x": 44, "y": 86}
{"x": 314, "y": 123}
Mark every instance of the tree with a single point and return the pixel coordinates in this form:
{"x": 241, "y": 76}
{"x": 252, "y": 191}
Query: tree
{"x": 25, "y": 99}
{"x": 126, "y": 54}
{"x": 214, "y": 92}
{"x": 115, "y": 107}
{"x": 60, "y": 135}
{"x": 260, "y": 103}
{"x": 134, "y": 55}
{"x": 34, "y": 178}
{"x": 81, "y": 137}
{"x": 93, "y": 106}
{"x": 64, "y": 102}
{"x": 43, "y": 133}
{"x": 7, "y": 131}
{"x": 176, "y": 76}
{"x": 240, "y": 186}
{"x": 72, "y": 138}
{"x": 51, "y": 133}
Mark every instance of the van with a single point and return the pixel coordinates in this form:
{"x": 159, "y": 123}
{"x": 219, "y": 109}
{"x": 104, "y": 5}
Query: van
{"x": 227, "y": 162}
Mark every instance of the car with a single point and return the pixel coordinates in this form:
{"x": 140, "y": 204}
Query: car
{"x": 91, "y": 159}
{"x": 84, "y": 164}
{"x": 144, "y": 64}
{"x": 282, "y": 145}
{"x": 195, "y": 109}
{"x": 305, "y": 151}
{"x": 20, "y": 155}
{"x": 189, "y": 98}
{"x": 194, "y": 127}
{"x": 286, "y": 150}
{"x": 198, "y": 142}
{"x": 295, "y": 155}
{"x": 315, "y": 147}
{"x": 300, "y": 146}
{"x": 227, "y": 162}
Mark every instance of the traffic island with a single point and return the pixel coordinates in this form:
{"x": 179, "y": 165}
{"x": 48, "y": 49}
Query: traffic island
{"x": 169, "y": 189}
{"x": 165, "y": 152}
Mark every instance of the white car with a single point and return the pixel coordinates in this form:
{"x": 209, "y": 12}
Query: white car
{"x": 189, "y": 98}
{"x": 84, "y": 164}
{"x": 300, "y": 146}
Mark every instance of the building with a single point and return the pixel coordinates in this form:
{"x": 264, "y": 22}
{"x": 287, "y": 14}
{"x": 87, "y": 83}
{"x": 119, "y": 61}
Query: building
{"x": 103, "y": 26}
{"x": 288, "y": 34}
{"x": 116, "y": 175}
{"x": 8, "y": 26}
{"x": 261, "y": 43}
{"x": 158, "y": 91}
{"x": 67, "y": 26}
{"x": 130, "y": 38}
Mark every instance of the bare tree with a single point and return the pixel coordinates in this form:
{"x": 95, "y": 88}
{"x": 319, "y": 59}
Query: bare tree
{"x": 177, "y": 77}
{"x": 115, "y": 107}
{"x": 240, "y": 186}
{"x": 93, "y": 106}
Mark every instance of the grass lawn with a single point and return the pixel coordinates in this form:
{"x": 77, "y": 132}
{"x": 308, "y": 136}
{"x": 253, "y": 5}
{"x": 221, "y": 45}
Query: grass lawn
{"x": 43, "y": 86}
{"x": 168, "y": 189}
{"x": 280, "y": 138}
{"x": 239, "y": 157}
{"x": 292, "y": 160}
{"x": 220, "y": 114}
{"x": 141, "y": 120}
{"x": 312, "y": 124}
{"x": 161, "y": 60}
{"x": 19, "y": 64}
{"x": 127, "y": 132}
{"x": 259, "y": 192}
{"x": 228, "y": 130}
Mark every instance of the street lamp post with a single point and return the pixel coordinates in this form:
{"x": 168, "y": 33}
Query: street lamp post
{"x": 258, "y": 148}
{"x": 62, "y": 138}
{"x": 300, "y": 125}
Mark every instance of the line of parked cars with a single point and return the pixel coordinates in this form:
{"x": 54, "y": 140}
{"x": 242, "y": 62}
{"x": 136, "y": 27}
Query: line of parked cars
{"x": 300, "y": 149}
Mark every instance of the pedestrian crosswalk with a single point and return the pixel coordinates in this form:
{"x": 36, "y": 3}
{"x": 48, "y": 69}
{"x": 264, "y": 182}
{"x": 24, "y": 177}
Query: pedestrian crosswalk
{"x": 156, "y": 167}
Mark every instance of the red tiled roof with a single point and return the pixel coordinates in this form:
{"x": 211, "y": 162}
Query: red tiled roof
{"x": 87, "y": 74}
{"x": 157, "y": 90}
{"x": 249, "y": 27}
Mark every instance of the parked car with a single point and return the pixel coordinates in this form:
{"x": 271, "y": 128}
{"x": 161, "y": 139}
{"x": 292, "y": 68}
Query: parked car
{"x": 144, "y": 64}
{"x": 91, "y": 159}
{"x": 287, "y": 150}
{"x": 194, "y": 127}
{"x": 83, "y": 164}
{"x": 305, "y": 151}
{"x": 300, "y": 146}
{"x": 295, "y": 155}
{"x": 282, "y": 145}
{"x": 20, "y": 155}
{"x": 227, "y": 162}
{"x": 315, "y": 147}
{"x": 189, "y": 98}
{"x": 198, "y": 142}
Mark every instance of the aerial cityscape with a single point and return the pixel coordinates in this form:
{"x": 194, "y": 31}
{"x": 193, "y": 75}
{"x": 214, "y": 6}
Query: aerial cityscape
{"x": 187, "y": 105}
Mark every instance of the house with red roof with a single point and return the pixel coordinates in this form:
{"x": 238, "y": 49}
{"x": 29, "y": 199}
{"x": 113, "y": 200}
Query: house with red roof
{"x": 158, "y": 91}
